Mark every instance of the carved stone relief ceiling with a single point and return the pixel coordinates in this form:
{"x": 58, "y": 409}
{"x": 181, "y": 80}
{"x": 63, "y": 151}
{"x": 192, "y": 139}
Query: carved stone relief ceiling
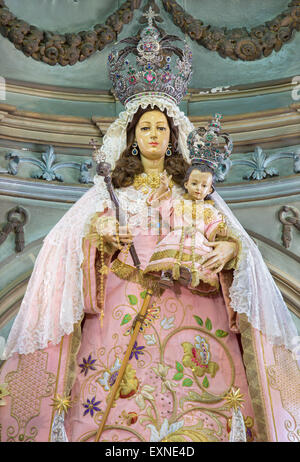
{"x": 68, "y": 48}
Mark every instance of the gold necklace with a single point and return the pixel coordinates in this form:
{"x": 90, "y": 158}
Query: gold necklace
{"x": 148, "y": 181}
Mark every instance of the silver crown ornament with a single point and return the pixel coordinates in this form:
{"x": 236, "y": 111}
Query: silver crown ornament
{"x": 203, "y": 144}
{"x": 148, "y": 65}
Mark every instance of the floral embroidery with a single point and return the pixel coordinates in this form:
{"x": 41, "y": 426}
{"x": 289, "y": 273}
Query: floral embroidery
{"x": 167, "y": 323}
{"x": 130, "y": 418}
{"x": 91, "y": 406}
{"x": 153, "y": 313}
{"x": 165, "y": 430}
{"x": 150, "y": 339}
{"x": 87, "y": 364}
{"x": 109, "y": 377}
{"x": 129, "y": 384}
{"x": 136, "y": 351}
{"x": 197, "y": 357}
{"x": 162, "y": 371}
{"x": 145, "y": 393}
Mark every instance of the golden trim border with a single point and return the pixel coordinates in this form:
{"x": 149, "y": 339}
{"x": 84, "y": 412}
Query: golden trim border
{"x": 254, "y": 384}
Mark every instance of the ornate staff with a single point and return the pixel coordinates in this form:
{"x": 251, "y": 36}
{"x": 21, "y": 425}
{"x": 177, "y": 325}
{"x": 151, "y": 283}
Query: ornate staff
{"x": 103, "y": 168}
{"x": 137, "y": 324}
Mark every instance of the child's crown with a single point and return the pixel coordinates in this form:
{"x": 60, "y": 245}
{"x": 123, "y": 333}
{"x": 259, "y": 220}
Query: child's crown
{"x": 203, "y": 144}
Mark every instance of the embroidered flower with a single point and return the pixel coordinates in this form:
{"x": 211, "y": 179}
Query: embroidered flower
{"x": 129, "y": 384}
{"x": 197, "y": 357}
{"x": 145, "y": 393}
{"x": 165, "y": 430}
{"x": 167, "y": 323}
{"x": 136, "y": 351}
{"x": 130, "y": 418}
{"x": 162, "y": 371}
{"x": 153, "y": 313}
{"x": 150, "y": 339}
{"x": 87, "y": 365}
{"x": 109, "y": 377}
{"x": 91, "y": 406}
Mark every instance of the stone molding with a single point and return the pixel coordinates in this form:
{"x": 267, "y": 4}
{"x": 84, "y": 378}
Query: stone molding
{"x": 269, "y": 129}
{"x": 105, "y": 96}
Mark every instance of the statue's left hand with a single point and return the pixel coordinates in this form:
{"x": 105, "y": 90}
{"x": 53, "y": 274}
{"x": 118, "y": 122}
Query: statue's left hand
{"x": 223, "y": 252}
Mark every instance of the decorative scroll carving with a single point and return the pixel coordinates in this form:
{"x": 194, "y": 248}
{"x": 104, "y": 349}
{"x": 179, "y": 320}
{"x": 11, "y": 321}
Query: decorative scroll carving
{"x": 288, "y": 222}
{"x": 239, "y": 43}
{"x": 260, "y": 164}
{"x": 63, "y": 49}
{"x": 48, "y": 166}
{"x": 16, "y": 219}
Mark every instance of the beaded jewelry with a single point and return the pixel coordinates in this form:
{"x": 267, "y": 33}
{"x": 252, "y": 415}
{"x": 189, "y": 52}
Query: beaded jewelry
{"x": 103, "y": 272}
{"x": 134, "y": 151}
{"x": 195, "y": 273}
{"x": 169, "y": 150}
{"x": 177, "y": 264}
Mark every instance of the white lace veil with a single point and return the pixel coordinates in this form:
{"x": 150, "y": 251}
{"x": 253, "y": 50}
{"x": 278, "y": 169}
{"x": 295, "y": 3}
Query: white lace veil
{"x": 114, "y": 141}
{"x": 53, "y": 302}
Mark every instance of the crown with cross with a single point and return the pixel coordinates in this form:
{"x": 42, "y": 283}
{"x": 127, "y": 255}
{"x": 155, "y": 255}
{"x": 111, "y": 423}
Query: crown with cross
{"x": 203, "y": 144}
{"x": 150, "y": 63}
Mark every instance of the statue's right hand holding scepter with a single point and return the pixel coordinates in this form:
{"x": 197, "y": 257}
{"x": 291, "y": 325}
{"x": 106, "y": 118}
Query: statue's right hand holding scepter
{"x": 103, "y": 168}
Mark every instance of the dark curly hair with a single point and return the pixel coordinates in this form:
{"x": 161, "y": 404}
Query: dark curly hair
{"x": 201, "y": 168}
{"x": 128, "y": 165}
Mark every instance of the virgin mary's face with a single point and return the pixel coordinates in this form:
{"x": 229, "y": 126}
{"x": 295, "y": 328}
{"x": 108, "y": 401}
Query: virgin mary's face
{"x": 152, "y": 134}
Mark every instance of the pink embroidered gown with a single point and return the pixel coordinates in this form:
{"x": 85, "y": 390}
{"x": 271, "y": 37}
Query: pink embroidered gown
{"x": 183, "y": 364}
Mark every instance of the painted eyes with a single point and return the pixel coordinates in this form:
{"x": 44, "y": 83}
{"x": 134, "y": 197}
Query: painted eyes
{"x": 158, "y": 128}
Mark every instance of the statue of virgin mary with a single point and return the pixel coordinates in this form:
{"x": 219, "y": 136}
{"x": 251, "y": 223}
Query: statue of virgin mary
{"x": 188, "y": 376}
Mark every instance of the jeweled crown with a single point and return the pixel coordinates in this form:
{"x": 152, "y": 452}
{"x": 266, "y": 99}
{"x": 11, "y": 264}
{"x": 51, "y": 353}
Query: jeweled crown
{"x": 203, "y": 144}
{"x": 146, "y": 65}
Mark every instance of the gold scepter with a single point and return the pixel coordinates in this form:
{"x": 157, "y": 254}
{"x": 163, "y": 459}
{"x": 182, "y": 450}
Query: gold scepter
{"x": 103, "y": 168}
{"x": 137, "y": 323}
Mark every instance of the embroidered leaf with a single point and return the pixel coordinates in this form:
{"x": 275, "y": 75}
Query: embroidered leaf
{"x": 199, "y": 320}
{"x": 179, "y": 367}
{"x": 205, "y": 382}
{"x": 208, "y": 324}
{"x": 178, "y": 376}
{"x": 143, "y": 294}
{"x": 187, "y": 383}
{"x": 126, "y": 319}
{"x": 221, "y": 333}
{"x": 132, "y": 299}
{"x": 193, "y": 396}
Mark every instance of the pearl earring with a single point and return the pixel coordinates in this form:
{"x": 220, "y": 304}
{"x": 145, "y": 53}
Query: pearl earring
{"x": 169, "y": 150}
{"x": 134, "y": 151}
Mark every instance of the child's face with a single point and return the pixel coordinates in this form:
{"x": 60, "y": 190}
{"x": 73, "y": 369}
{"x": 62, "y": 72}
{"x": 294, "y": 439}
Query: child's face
{"x": 199, "y": 184}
